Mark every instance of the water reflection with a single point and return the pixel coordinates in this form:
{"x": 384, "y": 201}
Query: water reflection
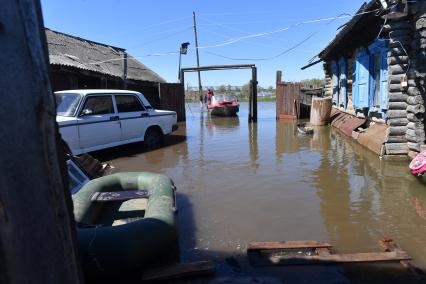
{"x": 262, "y": 181}
{"x": 253, "y": 146}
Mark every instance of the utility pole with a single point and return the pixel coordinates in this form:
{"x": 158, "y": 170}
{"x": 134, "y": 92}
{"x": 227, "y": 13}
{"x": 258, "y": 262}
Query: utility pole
{"x": 200, "y": 88}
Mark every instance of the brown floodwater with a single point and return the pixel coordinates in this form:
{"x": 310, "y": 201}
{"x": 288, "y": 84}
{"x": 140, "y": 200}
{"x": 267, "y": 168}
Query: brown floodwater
{"x": 239, "y": 182}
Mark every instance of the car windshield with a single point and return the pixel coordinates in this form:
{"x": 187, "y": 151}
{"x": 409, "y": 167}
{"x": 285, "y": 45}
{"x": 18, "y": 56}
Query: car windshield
{"x": 66, "y": 103}
{"x": 224, "y": 97}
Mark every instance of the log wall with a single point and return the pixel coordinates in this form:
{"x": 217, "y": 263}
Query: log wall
{"x": 398, "y": 29}
{"x": 328, "y": 89}
{"x": 416, "y": 77}
{"x": 406, "y": 58}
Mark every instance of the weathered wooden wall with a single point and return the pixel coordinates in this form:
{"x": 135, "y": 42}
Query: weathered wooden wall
{"x": 416, "y": 92}
{"x": 399, "y": 31}
{"x": 287, "y": 99}
{"x": 172, "y": 97}
{"x": 37, "y": 228}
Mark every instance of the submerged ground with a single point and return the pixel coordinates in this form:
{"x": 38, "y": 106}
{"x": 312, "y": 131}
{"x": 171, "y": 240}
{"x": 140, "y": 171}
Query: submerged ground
{"x": 240, "y": 182}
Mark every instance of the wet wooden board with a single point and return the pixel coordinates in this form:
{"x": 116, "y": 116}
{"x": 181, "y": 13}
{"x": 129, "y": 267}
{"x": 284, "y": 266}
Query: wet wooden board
{"x": 323, "y": 251}
{"x": 327, "y": 258}
{"x": 130, "y": 211}
{"x": 389, "y": 245}
{"x": 119, "y": 195}
{"x": 287, "y": 245}
{"x": 179, "y": 270}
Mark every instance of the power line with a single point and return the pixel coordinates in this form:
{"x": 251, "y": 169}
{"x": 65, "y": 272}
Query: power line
{"x": 232, "y": 41}
{"x": 283, "y": 52}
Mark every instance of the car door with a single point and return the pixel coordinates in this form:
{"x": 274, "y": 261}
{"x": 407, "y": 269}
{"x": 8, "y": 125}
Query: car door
{"x": 98, "y": 123}
{"x": 133, "y": 116}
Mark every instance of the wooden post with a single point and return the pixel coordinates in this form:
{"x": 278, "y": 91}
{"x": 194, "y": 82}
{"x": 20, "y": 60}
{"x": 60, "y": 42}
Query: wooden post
{"x": 182, "y": 77}
{"x": 320, "y": 111}
{"x": 278, "y": 77}
{"x": 254, "y": 91}
{"x": 250, "y": 114}
{"x": 37, "y": 229}
{"x": 200, "y": 88}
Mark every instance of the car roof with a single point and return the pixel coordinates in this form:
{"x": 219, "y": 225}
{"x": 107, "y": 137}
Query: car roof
{"x": 98, "y": 91}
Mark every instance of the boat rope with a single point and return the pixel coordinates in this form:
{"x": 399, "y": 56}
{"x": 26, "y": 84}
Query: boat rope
{"x": 92, "y": 252}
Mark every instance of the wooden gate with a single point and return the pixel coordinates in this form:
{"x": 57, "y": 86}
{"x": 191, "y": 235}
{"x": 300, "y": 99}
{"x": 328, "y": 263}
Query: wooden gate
{"x": 172, "y": 97}
{"x": 287, "y": 99}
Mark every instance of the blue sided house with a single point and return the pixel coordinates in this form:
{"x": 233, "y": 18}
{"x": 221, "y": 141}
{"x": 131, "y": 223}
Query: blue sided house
{"x": 375, "y": 70}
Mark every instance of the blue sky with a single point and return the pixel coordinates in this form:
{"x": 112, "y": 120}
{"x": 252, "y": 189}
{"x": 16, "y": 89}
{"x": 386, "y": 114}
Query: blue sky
{"x": 147, "y": 28}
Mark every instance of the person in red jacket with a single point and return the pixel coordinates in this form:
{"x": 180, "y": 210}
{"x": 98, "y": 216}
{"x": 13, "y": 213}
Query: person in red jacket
{"x": 210, "y": 94}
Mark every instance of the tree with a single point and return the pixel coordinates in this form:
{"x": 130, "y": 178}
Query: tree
{"x": 37, "y": 228}
{"x": 221, "y": 89}
{"x": 245, "y": 90}
{"x": 315, "y": 82}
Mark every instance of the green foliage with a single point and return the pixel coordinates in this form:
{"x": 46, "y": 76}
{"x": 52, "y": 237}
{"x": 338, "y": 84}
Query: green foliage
{"x": 245, "y": 90}
{"x": 315, "y": 82}
{"x": 221, "y": 89}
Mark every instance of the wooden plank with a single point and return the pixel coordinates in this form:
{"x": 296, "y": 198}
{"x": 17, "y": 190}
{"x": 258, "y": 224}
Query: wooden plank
{"x": 323, "y": 252}
{"x": 389, "y": 245}
{"x": 287, "y": 245}
{"x": 119, "y": 195}
{"x": 179, "y": 270}
{"x": 325, "y": 258}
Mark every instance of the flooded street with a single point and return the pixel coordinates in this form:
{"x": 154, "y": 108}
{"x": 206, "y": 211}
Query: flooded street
{"x": 263, "y": 182}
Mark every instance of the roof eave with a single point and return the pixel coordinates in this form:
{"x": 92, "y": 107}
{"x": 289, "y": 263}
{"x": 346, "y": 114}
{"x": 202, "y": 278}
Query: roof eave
{"x": 348, "y": 28}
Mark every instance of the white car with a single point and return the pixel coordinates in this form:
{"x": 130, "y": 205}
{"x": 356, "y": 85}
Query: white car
{"x": 91, "y": 120}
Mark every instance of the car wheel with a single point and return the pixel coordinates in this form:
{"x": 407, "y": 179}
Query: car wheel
{"x": 153, "y": 137}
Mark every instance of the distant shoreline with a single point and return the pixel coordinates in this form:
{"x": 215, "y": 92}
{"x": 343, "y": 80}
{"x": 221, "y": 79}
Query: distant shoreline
{"x": 259, "y": 99}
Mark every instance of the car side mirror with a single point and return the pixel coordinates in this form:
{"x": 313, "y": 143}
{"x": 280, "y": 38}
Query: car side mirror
{"x": 86, "y": 111}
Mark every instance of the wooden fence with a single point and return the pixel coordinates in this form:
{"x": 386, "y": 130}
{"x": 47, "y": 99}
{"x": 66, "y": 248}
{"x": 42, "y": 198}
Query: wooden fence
{"x": 172, "y": 97}
{"x": 287, "y": 99}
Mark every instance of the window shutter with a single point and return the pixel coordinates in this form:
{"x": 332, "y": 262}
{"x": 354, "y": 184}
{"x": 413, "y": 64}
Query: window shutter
{"x": 355, "y": 84}
{"x": 363, "y": 72}
{"x": 334, "y": 70}
{"x": 342, "y": 93}
{"x": 384, "y": 80}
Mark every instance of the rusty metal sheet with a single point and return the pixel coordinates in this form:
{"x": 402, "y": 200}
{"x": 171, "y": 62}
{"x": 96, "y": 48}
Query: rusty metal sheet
{"x": 342, "y": 118}
{"x": 374, "y": 137}
{"x": 351, "y": 124}
{"x": 334, "y": 113}
{"x": 341, "y": 121}
{"x": 337, "y": 117}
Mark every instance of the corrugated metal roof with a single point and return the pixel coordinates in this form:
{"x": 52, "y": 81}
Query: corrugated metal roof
{"x": 67, "y": 50}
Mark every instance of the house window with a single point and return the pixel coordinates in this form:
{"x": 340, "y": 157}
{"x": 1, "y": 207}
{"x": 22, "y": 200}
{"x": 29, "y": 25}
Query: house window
{"x": 370, "y": 90}
{"x": 342, "y": 83}
{"x": 376, "y": 81}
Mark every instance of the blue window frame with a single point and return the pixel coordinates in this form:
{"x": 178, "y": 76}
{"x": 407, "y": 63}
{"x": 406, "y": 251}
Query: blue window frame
{"x": 335, "y": 83}
{"x": 370, "y": 85}
{"x": 363, "y": 78}
{"x": 342, "y": 83}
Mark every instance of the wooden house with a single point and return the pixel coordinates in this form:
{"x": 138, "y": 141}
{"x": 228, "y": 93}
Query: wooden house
{"x": 375, "y": 71}
{"x": 77, "y": 63}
